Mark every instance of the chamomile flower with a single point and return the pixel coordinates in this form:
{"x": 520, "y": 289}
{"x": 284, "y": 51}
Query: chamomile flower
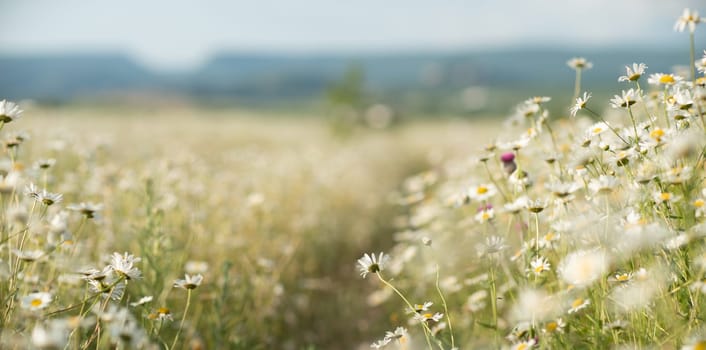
{"x": 664, "y": 197}
{"x": 161, "y": 314}
{"x": 556, "y": 326}
{"x": 582, "y": 268}
{"x": 398, "y": 334}
{"x": 539, "y": 264}
{"x": 142, "y": 301}
{"x": 578, "y": 304}
{"x": 634, "y": 74}
{"x": 372, "y": 264}
{"x": 485, "y": 215}
{"x": 379, "y": 344}
{"x": 624, "y": 100}
{"x": 482, "y": 192}
{"x": 422, "y": 307}
{"x": 124, "y": 265}
{"x": 9, "y": 111}
{"x": 36, "y": 301}
{"x": 536, "y": 206}
{"x": 696, "y": 344}
{"x": 603, "y": 184}
{"x": 580, "y": 103}
{"x": 428, "y": 317}
{"x": 492, "y": 245}
{"x": 578, "y": 63}
{"x": 52, "y": 335}
{"x": 28, "y": 255}
{"x": 689, "y": 19}
{"x": 664, "y": 79}
{"x": 89, "y": 210}
{"x": 524, "y": 345}
{"x": 189, "y": 282}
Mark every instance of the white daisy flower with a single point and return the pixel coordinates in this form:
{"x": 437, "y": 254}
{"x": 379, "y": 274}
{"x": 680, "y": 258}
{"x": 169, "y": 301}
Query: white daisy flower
{"x": 189, "y": 282}
{"x": 624, "y": 100}
{"x": 689, "y": 19}
{"x": 124, "y": 265}
{"x": 9, "y": 111}
{"x": 638, "y": 69}
{"x": 578, "y": 304}
{"x": 583, "y": 267}
{"x": 577, "y": 63}
{"x": 664, "y": 79}
{"x": 580, "y": 104}
{"x": 482, "y": 192}
{"x": 372, "y": 264}
{"x": 37, "y": 301}
{"x": 539, "y": 264}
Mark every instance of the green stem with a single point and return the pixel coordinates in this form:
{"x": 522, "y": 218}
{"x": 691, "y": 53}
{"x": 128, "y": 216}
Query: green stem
{"x": 446, "y": 309}
{"x": 183, "y": 317}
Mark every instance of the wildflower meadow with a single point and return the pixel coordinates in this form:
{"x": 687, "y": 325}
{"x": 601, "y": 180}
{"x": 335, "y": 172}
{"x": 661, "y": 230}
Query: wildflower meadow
{"x": 196, "y": 229}
{"x": 579, "y": 231}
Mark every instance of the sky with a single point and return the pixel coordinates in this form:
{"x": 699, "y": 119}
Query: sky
{"x": 181, "y": 34}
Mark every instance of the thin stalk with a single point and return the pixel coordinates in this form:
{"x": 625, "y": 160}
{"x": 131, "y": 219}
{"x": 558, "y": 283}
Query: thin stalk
{"x": 446, "y": 309}
{"x": 183, "y": 318}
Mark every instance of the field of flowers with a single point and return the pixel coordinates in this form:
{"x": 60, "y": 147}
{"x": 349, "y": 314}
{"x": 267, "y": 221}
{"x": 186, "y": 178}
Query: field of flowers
{"x": 190, "y": 229}
{"x": 580, "y": 231}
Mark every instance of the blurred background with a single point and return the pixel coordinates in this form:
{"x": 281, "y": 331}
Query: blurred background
{"x": 418, "y": 58}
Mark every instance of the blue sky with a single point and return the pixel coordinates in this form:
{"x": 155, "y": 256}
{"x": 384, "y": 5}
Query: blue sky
{"x": 178, "y": 34}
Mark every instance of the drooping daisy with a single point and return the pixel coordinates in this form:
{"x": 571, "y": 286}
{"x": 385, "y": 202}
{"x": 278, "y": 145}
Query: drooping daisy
{"x": 379, "y": 344}
{"x": 689, "y": 19}
{"x": 142, "y": 301}
{"x": 580, "y": 103}
{"x": 189, "y": 282}
{"x": 28, "y": 255}
{"x": 578, "y": 304}
{"x": 422, "y": 307}
{"x": 604, "y": 184}
{"x": 124, "y": 265}
{"x": 624, "y": 100}
{"x": 634, "y": 74}
{"x": 428, "y": 317}
{"x": 524, "y": 345}
{"x": 372, "y": 264}
{"x": 536, "y": 206}
{"x": 36, "y": 301}
{"x": 89, "y": 210}
{"x": 9, "y": 111}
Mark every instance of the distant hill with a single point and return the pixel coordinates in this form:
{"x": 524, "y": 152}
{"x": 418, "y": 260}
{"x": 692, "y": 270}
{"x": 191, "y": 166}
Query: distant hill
{"x": 400, "y": 79}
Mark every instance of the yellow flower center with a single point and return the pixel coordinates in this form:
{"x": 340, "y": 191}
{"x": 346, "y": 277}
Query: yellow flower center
{"x": 700, "y": 345}
{"x": 622, "y": 278}
{"x": 539, "y": 269}
{"x": 522, "y": 346}
{"x": 666, "y": 79}
{"x": 482, "y": 190}
{"x": 665, "y": 196}
{"x": 657, "y": 134}
{"x": 549, "y": 236}
{"x": 36, "y": 302}
{"x": 597, "y": 130}
{"x": 551, "y": 326}
{"x": 578, "y": 302}
{"x": 485, "y": 215}
{"x": 163, "y": 311}
{"x": 428, "y": 316}
{"x": 699, "y": 203}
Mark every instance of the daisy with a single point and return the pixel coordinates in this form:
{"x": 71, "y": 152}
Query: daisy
{"x": 638, "y": 69}
{"x": 53, "y": 335}
{"x": 124, "y": 265}
{"x": 554, "y": 326}
{"x": 398, "y": 334}
{"x": 418, "y": 308}
{"x": 604, "y": 184}
{"x": 527, "y": 344}
{"x": 89, "y": 210}
{"x": 664, "y": 197}
{"x": 372, "y": 264}
{"x": 695, "y": 345}
{"x": 142, "y": 301}
{"x": 492, "y": 245}
{"x": 578, "y": 304}
{"x": 161, "y": 314}
{"x": 380, "y": 343}
{"x": 427, "y": 317}
{"x": 9, "y": 111}
{"x": 37, "y": 301}
{"x": 624, "y": 277}
{"x": 583, "y": 267}
{"x": 482, "y": 192}
{"x": 663, "y": 79}
{"x": 539, "y": 264}
{"x": 108, "y": 288}
{"x": 45, "y": 163}
{"x": 688, "y": 18}
{"x": 517, "y": 205}
{"x": 536, "y": 206}
{"x": 28, "y": 255}
{"x": 577, "y": 63}
{"x": 580, "y": 103}
{"x": 484, "y": 215}
{"x": 624, "y": 100}
{"x": 190, "y": 282}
